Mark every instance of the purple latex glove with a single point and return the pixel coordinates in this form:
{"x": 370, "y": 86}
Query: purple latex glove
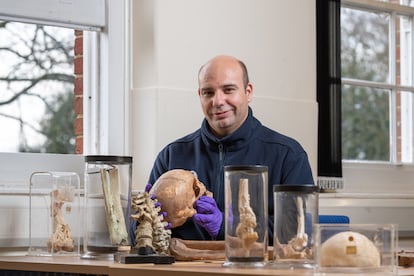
{"x": 147, "y": 190}
{"x": 148, "y": 187}
{"x": 208, "y": 215}
{"x": 157, "y": 204}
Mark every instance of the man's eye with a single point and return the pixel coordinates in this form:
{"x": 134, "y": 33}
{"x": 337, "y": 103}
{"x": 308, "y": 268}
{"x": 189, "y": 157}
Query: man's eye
{"x": 229, "y": 89}
{"x": 207, "y": 93}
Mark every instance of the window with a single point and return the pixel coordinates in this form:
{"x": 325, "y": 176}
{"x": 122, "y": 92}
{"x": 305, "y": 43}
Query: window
{"x": 105, "y": 26}
{"x": 37, "y": 84}
{"x": 365, "y": 90}
{"x": 377, "y": 82}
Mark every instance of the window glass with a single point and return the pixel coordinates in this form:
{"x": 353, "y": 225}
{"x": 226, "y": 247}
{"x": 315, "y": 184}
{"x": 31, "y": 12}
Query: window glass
{"x": 365, "y": 123}
{"x": 404, "y": 2}
{"x": 377, "y": 84}
{"x": 401, "y": 2}
{"x": 364, "y": 45}
{"x": 36, "y": 88}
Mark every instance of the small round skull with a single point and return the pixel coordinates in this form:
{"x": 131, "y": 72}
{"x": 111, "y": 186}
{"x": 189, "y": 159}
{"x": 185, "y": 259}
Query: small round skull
{"x": 177, "y": 190}
{"x": 349, "y": 249}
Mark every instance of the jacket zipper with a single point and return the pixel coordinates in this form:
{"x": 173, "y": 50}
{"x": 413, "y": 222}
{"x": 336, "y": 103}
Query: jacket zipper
{"x": 219, "y": 172}
{"x": 220, "y": 146}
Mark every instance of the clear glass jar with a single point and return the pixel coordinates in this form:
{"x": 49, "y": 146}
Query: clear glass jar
{"x": 108, "y": 181}
{"x": 246, "y": 215}
{"x": 55, "y": 218}
{"x": 295, "y": 214}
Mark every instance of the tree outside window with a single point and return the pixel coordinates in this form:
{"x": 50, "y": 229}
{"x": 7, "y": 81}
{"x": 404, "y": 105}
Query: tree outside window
{"x": 36, "y": 88}
{"x": 376, "y": 67}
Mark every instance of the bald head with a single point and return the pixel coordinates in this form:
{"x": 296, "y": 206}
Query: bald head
{"x": 225, "y": 92}
{"x": 225, "y": 61}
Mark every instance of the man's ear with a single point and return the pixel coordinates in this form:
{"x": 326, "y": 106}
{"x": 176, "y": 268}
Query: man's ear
{"x": 249, "y": 91}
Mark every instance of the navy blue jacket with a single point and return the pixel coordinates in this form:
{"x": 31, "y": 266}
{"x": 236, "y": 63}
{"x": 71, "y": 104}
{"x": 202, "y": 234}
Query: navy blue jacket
{"x": 251, "y": 144}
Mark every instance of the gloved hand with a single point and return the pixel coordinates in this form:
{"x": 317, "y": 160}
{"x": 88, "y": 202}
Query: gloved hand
{"x": 157, "y": 204}
{"x": 148, "y": 187}
{"x": 147, "y": 190}
{"x": 134, "y": 223}
{"x": 208, "y": 215}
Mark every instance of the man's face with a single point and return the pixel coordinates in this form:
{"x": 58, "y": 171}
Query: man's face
{"x": 223, "y": 97}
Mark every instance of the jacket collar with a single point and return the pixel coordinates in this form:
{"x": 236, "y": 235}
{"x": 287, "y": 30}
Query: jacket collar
{"x": 237, "y": 139}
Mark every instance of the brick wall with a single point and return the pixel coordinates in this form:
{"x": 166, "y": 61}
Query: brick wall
{"x": 78, "y": 105}
{"x": 398, "y": 82}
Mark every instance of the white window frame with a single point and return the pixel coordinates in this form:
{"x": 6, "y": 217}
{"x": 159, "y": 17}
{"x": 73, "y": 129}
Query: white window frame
{"x": 378, "y": 177}
{"x": 107, "y": 85}
{"x": 106, "y": 89}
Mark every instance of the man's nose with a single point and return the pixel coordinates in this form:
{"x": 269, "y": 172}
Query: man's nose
{"x": 219, "y": 98}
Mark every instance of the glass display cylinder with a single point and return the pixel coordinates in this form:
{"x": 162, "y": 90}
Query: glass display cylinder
{"x": 295, "y": 213}
{"x": 108, "y": 181}
{"x": 246, "y": 215}
{"x": 54, "y": 214}
{"x": 356, "y": 249}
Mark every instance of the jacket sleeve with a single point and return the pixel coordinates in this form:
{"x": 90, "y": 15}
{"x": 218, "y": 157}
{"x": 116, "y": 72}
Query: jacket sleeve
{"x": 297, "y": 170}
{"x": 160, "y": 166}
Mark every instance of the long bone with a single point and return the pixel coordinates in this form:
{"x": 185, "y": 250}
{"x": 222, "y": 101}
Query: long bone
{"x": 300, "y": 242}
{"x": 113, "y": 207}
{"x": 245, "y": 229}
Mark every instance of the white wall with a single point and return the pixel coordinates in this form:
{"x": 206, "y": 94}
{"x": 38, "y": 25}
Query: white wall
{"x": 172, "y": 39}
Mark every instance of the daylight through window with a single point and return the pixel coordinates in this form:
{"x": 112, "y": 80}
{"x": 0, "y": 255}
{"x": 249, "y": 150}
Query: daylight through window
{"x": 377, "y": 82}
{"x": 36, "y": 88}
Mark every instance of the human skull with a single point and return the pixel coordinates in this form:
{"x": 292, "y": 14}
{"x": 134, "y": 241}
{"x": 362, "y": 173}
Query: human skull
{"x": 349, "y": 249}
{"x": 177, "y": 190}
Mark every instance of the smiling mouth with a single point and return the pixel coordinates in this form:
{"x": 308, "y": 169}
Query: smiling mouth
{"x": 220, "y": 115}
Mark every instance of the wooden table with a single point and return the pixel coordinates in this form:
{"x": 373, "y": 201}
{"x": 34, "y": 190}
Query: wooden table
{"x": 55, "y": 264}
{"x": 111, "y": 268}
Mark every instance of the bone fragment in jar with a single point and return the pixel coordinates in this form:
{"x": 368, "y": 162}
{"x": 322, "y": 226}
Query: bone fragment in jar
{"x": 113, "y": 208}
{"x": 349, "y": 249}
{"x": 299, "y": 242}
{"x": 61, "y": 239}
{"x": 245, "y": 229}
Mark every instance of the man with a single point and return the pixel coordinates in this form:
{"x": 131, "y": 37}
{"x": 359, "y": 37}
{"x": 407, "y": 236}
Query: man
{"x": 229, "y": 135}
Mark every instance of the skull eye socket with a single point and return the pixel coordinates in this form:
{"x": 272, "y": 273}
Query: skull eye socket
{"x": 196, "y": 189}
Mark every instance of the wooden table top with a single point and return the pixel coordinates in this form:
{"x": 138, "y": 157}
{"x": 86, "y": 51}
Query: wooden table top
{"x": 72, "y": 264}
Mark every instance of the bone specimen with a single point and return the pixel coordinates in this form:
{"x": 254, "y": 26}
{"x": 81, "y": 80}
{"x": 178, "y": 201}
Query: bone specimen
{"x": 62, "y": 239}
{"x": 296, "y": 248}
{"x": 192, "y": 250}
{"x": 349, "y": 249}
{"x": 113, "y": 208}
{"x": 245, "y": 229}
{"x": 178, "y": 190}
{"x": 150, "y": 232}
{"x": 299, "y": 242}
